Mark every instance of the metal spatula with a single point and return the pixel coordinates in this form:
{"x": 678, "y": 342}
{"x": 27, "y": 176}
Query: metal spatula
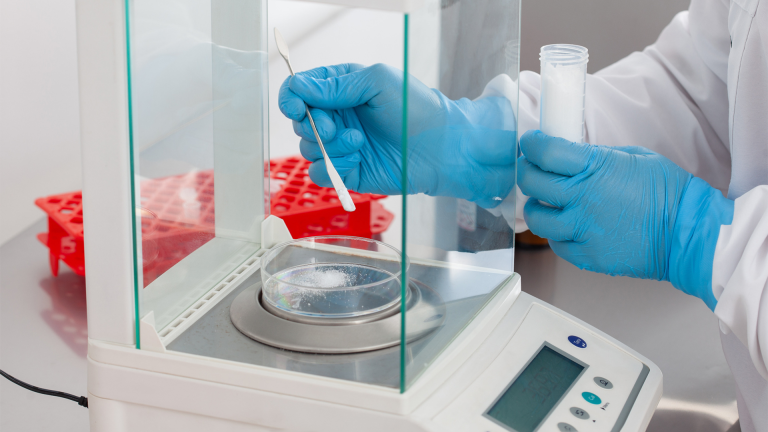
{"x": 338, "y": 184}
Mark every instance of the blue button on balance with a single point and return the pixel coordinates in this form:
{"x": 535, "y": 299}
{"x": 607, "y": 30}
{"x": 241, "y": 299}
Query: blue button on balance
{"x": 591, "y": 398}
{"x": 577, "y": 341}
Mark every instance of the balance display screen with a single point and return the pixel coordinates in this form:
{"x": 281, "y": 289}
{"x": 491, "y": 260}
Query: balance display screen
{"x": 534, "y": 393}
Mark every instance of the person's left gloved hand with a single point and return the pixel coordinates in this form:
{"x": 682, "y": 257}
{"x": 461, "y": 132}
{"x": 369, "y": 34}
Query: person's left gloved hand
{"x": 623, "y": 211}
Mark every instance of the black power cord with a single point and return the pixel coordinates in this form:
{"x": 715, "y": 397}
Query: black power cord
{"x": 81, "y": 400}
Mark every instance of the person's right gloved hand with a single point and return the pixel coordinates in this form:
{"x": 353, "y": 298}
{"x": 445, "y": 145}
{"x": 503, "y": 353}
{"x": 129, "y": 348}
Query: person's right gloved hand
{"x": 464, "y": 149}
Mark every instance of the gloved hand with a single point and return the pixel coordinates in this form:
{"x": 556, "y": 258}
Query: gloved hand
{"x": 623, "y": 211}
{"x": 458, "y": 148}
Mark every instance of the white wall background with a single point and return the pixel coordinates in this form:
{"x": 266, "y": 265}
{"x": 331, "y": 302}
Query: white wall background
{"x": 39, "y": 121}
{"x": 39, "y": 132}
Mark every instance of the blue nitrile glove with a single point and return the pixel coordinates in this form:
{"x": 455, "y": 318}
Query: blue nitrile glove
{"x": 463, "y": 149}
{"x": 623, "y": 211}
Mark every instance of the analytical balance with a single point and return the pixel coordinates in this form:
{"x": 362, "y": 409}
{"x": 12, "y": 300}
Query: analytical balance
{"x": 236, "y": 326}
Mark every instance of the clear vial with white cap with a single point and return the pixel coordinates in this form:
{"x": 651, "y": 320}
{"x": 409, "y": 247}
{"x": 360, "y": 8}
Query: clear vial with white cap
{"x": 563, "y": 90}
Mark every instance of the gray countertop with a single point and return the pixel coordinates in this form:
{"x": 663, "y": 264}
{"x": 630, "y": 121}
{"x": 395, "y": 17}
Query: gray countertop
{"x": 43, "y": 336}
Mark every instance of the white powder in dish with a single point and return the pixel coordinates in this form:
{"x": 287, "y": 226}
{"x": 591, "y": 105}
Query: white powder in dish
{"x": 321, "y": 279}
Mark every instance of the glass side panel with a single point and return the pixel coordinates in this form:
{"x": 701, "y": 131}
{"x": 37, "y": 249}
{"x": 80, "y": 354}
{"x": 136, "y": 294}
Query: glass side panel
{"x": 198, "y": 98}
{"x": 461, "y": 113}
{"x": 220, "y": 134}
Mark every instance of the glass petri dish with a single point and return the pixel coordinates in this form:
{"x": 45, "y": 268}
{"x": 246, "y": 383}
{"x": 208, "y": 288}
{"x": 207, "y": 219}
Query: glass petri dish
{"x": 332, "y": 277}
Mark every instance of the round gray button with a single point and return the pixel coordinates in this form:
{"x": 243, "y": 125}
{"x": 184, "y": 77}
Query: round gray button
{"x": 565, "y": 427}
{"x": 604, "y": 383}
{"x": 580, "y": 413}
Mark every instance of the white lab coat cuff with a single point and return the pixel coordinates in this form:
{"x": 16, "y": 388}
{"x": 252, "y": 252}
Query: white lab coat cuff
{"x": 512, "y": 210}
{"x": 740, "y": 275}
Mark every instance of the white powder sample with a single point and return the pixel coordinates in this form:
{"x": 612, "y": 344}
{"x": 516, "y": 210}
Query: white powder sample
{"x": 321, "y": 279}
{"x": 562, "y": 100}
{"x": 325, "y": 289}
{"x": 341, "y": 190}
{"x": 346, "y": 201}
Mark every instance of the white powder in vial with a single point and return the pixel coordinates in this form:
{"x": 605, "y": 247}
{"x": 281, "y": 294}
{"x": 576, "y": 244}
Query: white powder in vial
{"x": 562, "y": 100}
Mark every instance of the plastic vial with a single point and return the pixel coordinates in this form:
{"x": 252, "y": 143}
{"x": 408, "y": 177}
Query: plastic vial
{"x": 563, "y": 90}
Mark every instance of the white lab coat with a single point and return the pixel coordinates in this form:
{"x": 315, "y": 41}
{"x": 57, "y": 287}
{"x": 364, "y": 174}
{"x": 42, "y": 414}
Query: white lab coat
{"x": 699, "y": 96}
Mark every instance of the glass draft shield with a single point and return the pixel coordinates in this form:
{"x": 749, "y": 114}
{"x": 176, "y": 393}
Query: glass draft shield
{"x": 204, "y": 87}
{"x": 458, "y": 239}
{"x": 199, "y": 134}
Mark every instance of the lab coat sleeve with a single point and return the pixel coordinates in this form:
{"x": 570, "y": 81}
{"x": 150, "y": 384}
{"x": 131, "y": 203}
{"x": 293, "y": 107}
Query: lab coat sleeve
{"x": 740, "y": 275}
{"x": 671, "y": 98}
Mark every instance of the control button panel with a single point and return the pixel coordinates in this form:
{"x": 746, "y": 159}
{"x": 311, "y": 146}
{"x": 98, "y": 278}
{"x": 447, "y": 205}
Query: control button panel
{"x": 593, "y": 402}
